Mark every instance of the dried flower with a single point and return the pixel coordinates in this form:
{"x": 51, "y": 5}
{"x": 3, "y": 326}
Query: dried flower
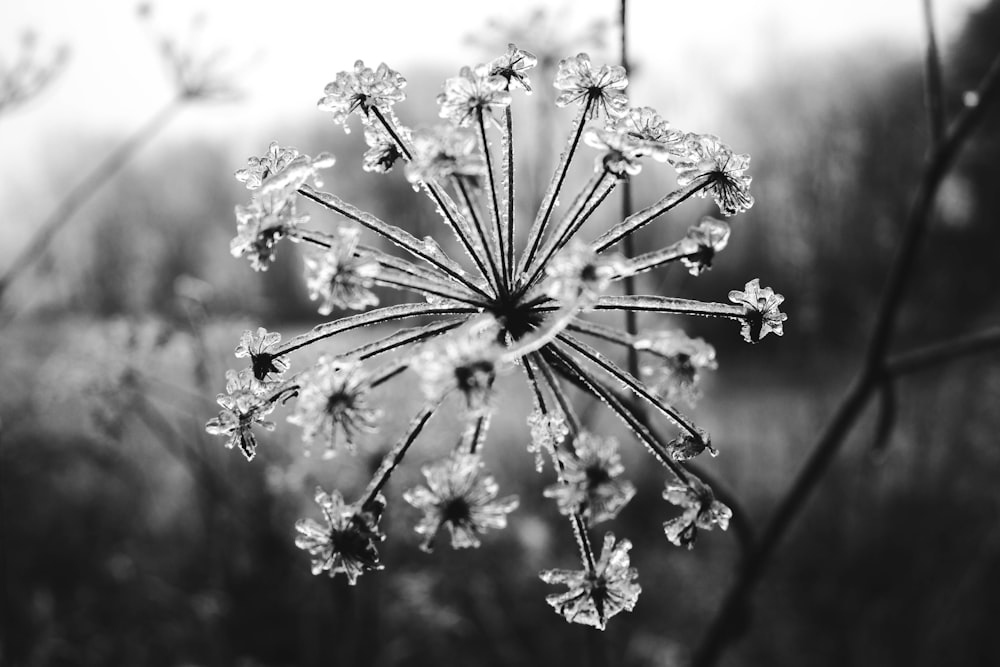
{"x": 681, "y": 361}
{"x": 444, "y": 152}
{"x": 260, "y": 226}
{"x": 600, "y": 90}
{"x": 701, "y": 510}
{"x": 267, "y": 367}
{"x": 460, "y": 496}
{"x": 259, "y": 168}
{"x": 512, "y": 66}
{"x": 346, "y": 540}
{"x": 707, "y": 157}
{"x": 472, "y": 92}
{"x": 333, "y": 404}
{"x": 242, "y": 410}
{"x": 596, "y": 593}
{"x": 382, "y": 151}
{"x": 578, "y": 275}
{"x": 361, "y": 91}
{"x": 702, "y": 242}
{"x": 761, "y": 307}
{"x": 341, "y": 276}
{"x": 589, "y": 485}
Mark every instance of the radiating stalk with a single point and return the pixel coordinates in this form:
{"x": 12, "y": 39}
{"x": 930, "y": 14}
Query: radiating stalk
{"x": 396, "y": 454}
{"x": 507, "y": 144}
{"x": 640, "y": 219}
{"x": 494, "y": 202}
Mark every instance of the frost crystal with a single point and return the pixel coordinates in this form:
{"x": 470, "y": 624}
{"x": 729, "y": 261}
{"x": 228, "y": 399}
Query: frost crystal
{"x": 589, "y": 486}
{"x": 361, "y": 90}
{"x": 512, "y": 66}
{"x": 597, "y": 594}
{"x": 601, "y": 89}
{"x": 681, "y": 359}
{"x": 701, "y": 244}
{"x": 472, "y": 92}
{"x": 701, "y": 510}
{"x": 333, "y": 405}
{"x": 460, "y": 496}
{"x": 761, "y": 307}
{"x": 267, "y": 367}
{"x": 548, "y": 430}
{"x": 707, "y": 157}
{"x": 346, "y": 540}
{"x": 242, "y": 409}
{"x": 341, "y": 277}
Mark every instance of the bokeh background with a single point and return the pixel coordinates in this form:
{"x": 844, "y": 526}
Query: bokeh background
{"x": 128, "y": 536}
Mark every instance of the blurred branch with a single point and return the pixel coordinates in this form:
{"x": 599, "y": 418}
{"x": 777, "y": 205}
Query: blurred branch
{"x": 85, "y": 190}
{"x": 628, "y": 243}
{"x": 731, "y": 615}
{"x": 939, "y": 353}
{"x": 933, "y": 88}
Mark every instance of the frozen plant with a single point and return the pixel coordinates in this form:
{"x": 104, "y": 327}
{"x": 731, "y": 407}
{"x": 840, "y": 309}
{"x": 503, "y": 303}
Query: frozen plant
{"x": 517, "y": 300}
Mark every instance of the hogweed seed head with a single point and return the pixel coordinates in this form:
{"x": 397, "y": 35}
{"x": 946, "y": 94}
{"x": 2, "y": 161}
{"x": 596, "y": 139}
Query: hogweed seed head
{"x": 590, "y": 484}
{"x": 242, "y": 410}
{"x": 599, "y": 90}
{"x": 701, "y": 511}
{"x": 360, "y": 90}
{"x": 346, "y": 541}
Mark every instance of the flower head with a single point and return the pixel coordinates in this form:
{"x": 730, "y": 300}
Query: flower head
{"x": 267, "y": 367}
{"x": 644, "y": 124}
{"x": 333, "y": 404}
{"x": 589, "y": 484}
{"x": 242, "y": 409}
{"x": 621, "y": 151}
{"x": 460, "y": 496}
{"x": 260, "y": 226}
{"x": 443, "y": 152}
{"x": 466, "y": 362}
{"x": 382, "y": 151}
{"x": 707, "y": 157}
{"x": 472, "y": 92}
{"x": 702, "y": 242}
{"x": 340, "y": 276}
{"x": 598, "y": 593}
{"x": 361, "y": 90}
{"x": 681, "y": 359}
{"x": 346, "y": 540}
{"x": 578, "y": 275}
{"x": 275, "y": 160}
{"x": 600, "y": 89}
{"x": 701, "y": 510}
{"x": 761, "y": 307}
{"x": 512, "y": 66}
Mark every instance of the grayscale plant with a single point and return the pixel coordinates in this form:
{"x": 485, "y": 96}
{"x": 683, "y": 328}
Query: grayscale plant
{"x": 519, "y": 299}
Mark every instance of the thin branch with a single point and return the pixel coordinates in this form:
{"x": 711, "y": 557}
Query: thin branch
{"x": 939, "y": 353}
{"x": 86, "y": 189}
{"x": 721, "y": 630}
{"x": 933, "y": 88}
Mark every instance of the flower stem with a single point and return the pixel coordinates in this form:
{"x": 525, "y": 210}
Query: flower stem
{"x": 508, "y": 177}
{"x": 552, "y": 194}
{"x": 396, "y": 454}
{"x": 640, "y": 219}
{"x": 484, "y": 144}
{"x": 463, "y": 191}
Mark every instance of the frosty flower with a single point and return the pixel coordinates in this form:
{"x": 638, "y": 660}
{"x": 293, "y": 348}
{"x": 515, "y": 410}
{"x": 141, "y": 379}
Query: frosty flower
{"x": 512, "y": 66}
{"x": 601, "y": 89}
{"x": 681, "y": 360}
{"x": 701, "y": 510}
{"x": 361, "y": 90}
{"x": 467, "y": 362}
{"x": 621, "y": 151}
{"x": 259, "y": 168}
{"x": 761, "y": 307}
{"x": 597, "y": 594}
{"x": 444, "y": 152}
{"x": 524, "y": 295}
{"x": 548, "y": 430}
{"x": 382, "y": 151}
{"x": 578, "y": 275}
{"x": 459, "y": 496}
{"x": 346, "y": 540}
{"x": 333, "y": 404}
{"x": 709, "y": 158}
{"x": 260, "y": 226}
{"x": 702, "y": 242}
{"x": 472, "y": 92}
{"x": 340, "y": 278}
{"x": 589, "y": 485}
{"x": 242, "y": 409}
{"x": 266, "y": 366}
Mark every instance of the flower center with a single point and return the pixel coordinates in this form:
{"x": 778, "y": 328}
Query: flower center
{"x": 456, "y": 511}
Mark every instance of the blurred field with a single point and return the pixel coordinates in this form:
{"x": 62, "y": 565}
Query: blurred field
{"x": 129, "y": 536}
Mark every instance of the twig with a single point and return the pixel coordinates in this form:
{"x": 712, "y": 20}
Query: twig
{"x": 720, "y": 632}
{"x": 86, "y": 189}
{"x": 939, "y": 353}
{"x": 933, "y": 88}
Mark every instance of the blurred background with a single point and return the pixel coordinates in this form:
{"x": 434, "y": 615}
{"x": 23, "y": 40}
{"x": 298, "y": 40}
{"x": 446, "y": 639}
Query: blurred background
{"x": 128, "y": 536}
